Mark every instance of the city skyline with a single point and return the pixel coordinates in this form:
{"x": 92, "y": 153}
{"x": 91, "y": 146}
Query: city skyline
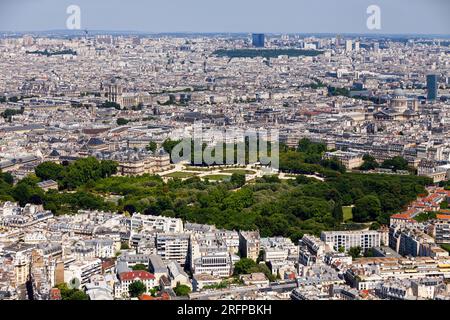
{"x": 348, "y": 17}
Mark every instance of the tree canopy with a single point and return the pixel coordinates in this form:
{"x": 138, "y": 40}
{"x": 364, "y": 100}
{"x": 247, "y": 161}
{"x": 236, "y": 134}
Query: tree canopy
{"x": 136, "y": 289}
{"x": 181, "y": 290}
{"x": 71, "y": 294}
{"x": 274, "y": 206}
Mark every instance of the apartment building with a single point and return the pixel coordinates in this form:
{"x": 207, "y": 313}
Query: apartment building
{"x": 367, "y": 273}
{"x": 249, "y": 244}
{"x": 173, "y": 246}
{"x": 348, "y": 239}
{"x": 412, "y": 242}
{"x": 218, "y": 264}
{"x": 278, "y": 249}
{"x": 442, "y": 229}
{"x": 121, "y": 289}
{"x": 82, "y": 270}
{"x": 141, "y": 222}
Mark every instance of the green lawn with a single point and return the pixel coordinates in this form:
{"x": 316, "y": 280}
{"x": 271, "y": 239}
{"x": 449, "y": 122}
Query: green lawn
{"x": 445, "y": 246}
{"x": 348, "y": 215}
{"x": 194, "y": 168}
{"x": 180, "y": 174}
{"x": 238, "y": 171}
{"x": 217, "y": 177}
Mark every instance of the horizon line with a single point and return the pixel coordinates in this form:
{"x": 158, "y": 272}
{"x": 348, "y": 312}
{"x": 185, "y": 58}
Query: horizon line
{"x": 82, "y": 30}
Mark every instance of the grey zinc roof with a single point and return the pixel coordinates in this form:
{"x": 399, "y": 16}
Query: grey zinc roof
{"x": 122, "y": 266}
{"x": 175, "y": 269}
{"x": 156, "y": 264}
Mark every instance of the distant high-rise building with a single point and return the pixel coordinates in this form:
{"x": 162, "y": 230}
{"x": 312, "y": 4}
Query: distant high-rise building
{"x": 258, "y": 40}
{"x": 27, "y": 40}
{"x": 338, "y": 40}
{"x": 376, "y": 47}
{"x": 432, "y": 86}
{"x": 285, "y": 37}
{"x": 348, "y": 45}
{"x": 357, "y": 46}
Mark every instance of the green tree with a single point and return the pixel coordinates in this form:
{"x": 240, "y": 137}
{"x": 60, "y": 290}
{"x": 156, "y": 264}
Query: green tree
{"x": 154, "y": 291}
{"x": 307, "y": 146}
{"x": 122, "y": 121}
{"x": 136, "y": 289}
{"x": 139, "y": 266}
{"x": 375, "y": 225}
{"x": 169, "y": 144}
{"x": 396, "y": 163}
{"x": 110, "y": 104}
{"x": 71, "y": 294}
{"x": 338, "y": 213}
{"x": 354, "y": 252}
{"x": 367, "y": 208}
{"x": 49, "y": 171}
{"x": 369, "y": 163}
{"x": 260, "y": 256}
{"x": 78, "y": 295}
{"x": 181, "y": 290}
{"x": 7, "y": 177}
{"x": 107, "y": 168}
{"x": 27, "y": 189}
{"x": 244, "y": 266}
{"x": 8, "y": 113}
{"x": 129, "y": 208}
{"x": 238, "y": 179}
{"x": 152, "y": 146}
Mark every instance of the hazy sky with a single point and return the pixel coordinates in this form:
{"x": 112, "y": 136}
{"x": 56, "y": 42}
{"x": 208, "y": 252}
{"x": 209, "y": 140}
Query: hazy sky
{"x": 296, "y": 16}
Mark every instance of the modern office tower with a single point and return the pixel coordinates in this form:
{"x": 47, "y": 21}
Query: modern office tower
{"x": 376, "y": 47}
{"x": 357, "y": 46}
{"x": 348, "y": 45}
{"x": 432, "y": 86}
{"x": 338, "y": 40}
{"x": 258, "y": 40}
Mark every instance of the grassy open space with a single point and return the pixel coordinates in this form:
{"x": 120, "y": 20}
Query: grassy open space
{"x": 180, "y": 174}
{"x": 347, "y": 213}
{"x": 201, "y": 169}
{"x": 238, "y": 171}
{"x": 217, "y": 177}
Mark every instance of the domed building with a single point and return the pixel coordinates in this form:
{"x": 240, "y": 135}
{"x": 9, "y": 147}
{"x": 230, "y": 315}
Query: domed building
{"x": 400, "y": 108}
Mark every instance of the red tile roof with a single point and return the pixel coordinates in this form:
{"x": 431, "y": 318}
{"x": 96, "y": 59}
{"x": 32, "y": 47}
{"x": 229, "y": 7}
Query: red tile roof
{"x": 164, "y": 296}
{"x": 143, "y": 275}
{"x": 405, "y": 216}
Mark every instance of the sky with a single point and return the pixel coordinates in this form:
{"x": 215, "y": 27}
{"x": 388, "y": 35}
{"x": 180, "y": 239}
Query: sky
{"x": 267, "y": 16}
